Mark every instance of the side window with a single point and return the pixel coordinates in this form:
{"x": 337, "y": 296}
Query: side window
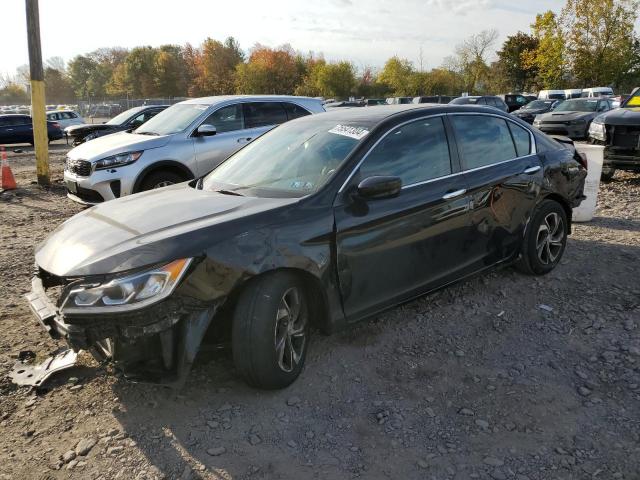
{"x": 137, "y": 121}
{"x": 481, "y": 101}
{"x": 494, "y": 102}
{"x": 67, "y": 115}
{"x": 22, "y": 120}
{"x": 4, "y": 122}
{"x": 294, "y": 111}
{"x": 226, "y": 119}
{"x": 52, "y": 117}
{"x": 261, "y": 114}
{"x": 483, "y": 140}
{"x": 521, "y": 138}
{"x": 414, "y": 152}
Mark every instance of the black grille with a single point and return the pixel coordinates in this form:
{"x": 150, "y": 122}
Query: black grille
{"x": 625, "y": 136}
{"x": 88, "y": 195}
{"x": 79, "y": 167}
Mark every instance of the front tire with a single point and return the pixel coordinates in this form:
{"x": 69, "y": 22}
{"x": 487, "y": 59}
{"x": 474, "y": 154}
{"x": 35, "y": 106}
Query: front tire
{"x": 545, "y": 240}
{"x": 271, "y": 327}
{"x": 159, "y": 179}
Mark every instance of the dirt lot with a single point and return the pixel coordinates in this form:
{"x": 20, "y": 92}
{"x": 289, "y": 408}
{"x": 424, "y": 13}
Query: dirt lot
{"x": 504, "y": 376}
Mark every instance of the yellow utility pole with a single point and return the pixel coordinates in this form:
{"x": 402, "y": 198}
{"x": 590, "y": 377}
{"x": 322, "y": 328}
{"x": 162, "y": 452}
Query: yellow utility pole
{"x": 40, "y": 135}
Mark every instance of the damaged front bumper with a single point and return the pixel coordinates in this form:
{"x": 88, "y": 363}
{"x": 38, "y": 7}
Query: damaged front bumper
{"x": 153, "y": 344}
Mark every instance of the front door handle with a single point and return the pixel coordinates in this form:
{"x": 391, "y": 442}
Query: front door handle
{"x": 531, "y": 170}
{"x": 244, "y": 139}
{"x": 454, "y": 194}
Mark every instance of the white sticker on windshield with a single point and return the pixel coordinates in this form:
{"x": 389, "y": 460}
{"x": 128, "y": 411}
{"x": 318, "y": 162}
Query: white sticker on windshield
{"x": 354, "y": 132}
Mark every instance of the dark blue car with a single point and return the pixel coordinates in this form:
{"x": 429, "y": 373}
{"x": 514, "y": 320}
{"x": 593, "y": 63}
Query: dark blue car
{"x": 16, "y": 128}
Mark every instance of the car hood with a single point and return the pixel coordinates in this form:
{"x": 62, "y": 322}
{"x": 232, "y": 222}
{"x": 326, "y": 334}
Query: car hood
{"x": 120, "y": 142}
{"x": 88, "y": 127}
{"x": 621, "y": 116}
{"x": 148, "y": 228}
{"x": 565, "y": 116}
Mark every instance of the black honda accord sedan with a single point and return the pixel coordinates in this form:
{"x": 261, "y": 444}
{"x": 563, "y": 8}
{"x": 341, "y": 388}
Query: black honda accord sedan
{"x": 320, "y": 222}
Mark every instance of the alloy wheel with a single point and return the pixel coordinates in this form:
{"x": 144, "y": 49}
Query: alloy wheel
{"x": 550, "y": 238}
{"x": 164, "y": 183}
{"x": 290, "y": 330}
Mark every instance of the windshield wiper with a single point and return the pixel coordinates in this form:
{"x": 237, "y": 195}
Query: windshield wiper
{"x": 148, "y": 133}
{"x": 229, "y": 192}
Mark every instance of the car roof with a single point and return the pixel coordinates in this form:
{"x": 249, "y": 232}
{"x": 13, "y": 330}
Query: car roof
{"x": 4, "y": 115}
{"x": 370, "y": 117}
{"x": 214, "y": 100}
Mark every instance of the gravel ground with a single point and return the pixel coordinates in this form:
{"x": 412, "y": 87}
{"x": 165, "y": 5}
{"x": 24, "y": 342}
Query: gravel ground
{"x": 504, "y": 376}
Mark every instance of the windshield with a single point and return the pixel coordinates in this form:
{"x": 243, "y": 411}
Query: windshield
{"x": 292, "y": 160}
{"x": 124, "y": 116}
{"x": 173, "y": 120}
{"x": 577, "y": 106}
{"x": 536, "y": 104}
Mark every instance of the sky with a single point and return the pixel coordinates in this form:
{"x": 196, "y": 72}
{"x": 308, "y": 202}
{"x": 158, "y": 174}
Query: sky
{"x": 366, "y": 32}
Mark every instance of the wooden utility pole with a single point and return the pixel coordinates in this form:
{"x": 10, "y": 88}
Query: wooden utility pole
{"x": 40, "y": 135}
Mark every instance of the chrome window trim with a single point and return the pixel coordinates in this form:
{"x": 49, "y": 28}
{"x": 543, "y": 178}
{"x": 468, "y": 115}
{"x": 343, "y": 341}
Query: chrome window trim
{"x": 532, "y": 149}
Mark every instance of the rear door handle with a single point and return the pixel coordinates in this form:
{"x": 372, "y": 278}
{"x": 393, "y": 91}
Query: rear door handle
{"x": 531, "y": 170}
{"x": 454, "y": 194}
{"x": 244, "y": 139}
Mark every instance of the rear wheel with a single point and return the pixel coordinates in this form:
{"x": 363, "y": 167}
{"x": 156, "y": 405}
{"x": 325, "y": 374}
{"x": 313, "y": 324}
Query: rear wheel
{"x": 545, "y": 240}
{"x": 271, "y": 331}
{"x": 607, "y": 174}
{"x": 159, "y": 179}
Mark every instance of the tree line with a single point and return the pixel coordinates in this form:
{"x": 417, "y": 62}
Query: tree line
{"x": 586, "y": 43}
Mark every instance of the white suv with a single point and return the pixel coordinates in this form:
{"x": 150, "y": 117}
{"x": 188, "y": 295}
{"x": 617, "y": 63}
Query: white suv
{"x": 184, "y": 141}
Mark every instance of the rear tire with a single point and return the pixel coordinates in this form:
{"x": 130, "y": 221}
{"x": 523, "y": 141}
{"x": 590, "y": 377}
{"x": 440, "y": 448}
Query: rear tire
{"x": 159, "y": 179}
{"x": 607, "y": 174}
{"x": 271, "y": 327}
{"x": 545, "y": 240}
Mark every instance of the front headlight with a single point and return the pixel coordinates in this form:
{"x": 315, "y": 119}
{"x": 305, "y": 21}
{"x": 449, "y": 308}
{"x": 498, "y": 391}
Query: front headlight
{"x": 126, "y": 293}
{"x": 119, "y": 160}
{"x": 597, "y": 131}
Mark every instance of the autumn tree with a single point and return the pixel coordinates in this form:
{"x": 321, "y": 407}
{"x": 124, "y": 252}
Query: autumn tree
{"x": 600, "y": 40}
{"x": 470, "y": 59}
{"x": 269, "y": 71}
{"x": 213, "y": 66}
{"x": 548, "y": 58}
{"x": 396, "y": 74}
{"x": 170, "y": 71}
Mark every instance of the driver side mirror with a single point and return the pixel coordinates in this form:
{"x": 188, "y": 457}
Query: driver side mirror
{"x": 378, "y": 187}
{"x": 206, "y": 130}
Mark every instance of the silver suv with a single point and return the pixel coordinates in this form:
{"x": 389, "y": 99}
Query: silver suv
{"x": 184, "y": 141}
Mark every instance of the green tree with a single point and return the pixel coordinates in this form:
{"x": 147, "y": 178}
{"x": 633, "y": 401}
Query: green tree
{"x": 548, "y": 59}
{"x": 515, "y": 73}
{"x": 169, "y": 71}
{"x": 214, "y": 66}
{"x": 58, "y": 88}
{"x": 601, "y": 44}
{"x": 337, "y": 80}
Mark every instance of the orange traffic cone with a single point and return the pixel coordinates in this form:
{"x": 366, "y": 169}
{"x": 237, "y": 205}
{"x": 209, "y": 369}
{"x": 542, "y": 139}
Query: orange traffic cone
{"x": 8, "y": 182}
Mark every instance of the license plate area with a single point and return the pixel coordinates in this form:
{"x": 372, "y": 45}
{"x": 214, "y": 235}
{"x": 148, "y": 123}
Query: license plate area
{"x": 72, "y": 186}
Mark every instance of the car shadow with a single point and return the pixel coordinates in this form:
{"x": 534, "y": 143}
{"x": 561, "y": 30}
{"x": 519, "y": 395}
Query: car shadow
{"x": 217, "y": 427}
{"x": 616, "y": 224}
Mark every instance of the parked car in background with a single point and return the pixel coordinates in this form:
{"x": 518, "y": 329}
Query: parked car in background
{"x": 399, "y": 100}
{"x": 551, "y": 95}
{"x": 184, "y": 141}
{"x": 536, "y": 107}
{"x": 444, "y": 99}
{"x": 65, "y": 118}
{"x": 319, "y": 223}
{"x": 370, "y": 102}
{"x": 597, "y": 92}
{"x": 127, "y": 120}
{"x": 514, "y": 101}
{"x": 573, "y": 93}
{"x": 619, "y": 131}
{"x": 572, "y": 118}
{"x": 344, "y": 103}
{"x": 486, "y": 100}
{"x": 16, "y": 128}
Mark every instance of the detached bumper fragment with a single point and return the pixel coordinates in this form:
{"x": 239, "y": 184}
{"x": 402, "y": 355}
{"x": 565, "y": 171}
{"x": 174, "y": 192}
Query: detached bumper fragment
{"x": 156, "y": 344}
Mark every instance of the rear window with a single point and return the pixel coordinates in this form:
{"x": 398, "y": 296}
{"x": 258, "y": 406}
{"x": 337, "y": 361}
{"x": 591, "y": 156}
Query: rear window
{"x": 294, "y": 111}
{"x": 262, "y": 114}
